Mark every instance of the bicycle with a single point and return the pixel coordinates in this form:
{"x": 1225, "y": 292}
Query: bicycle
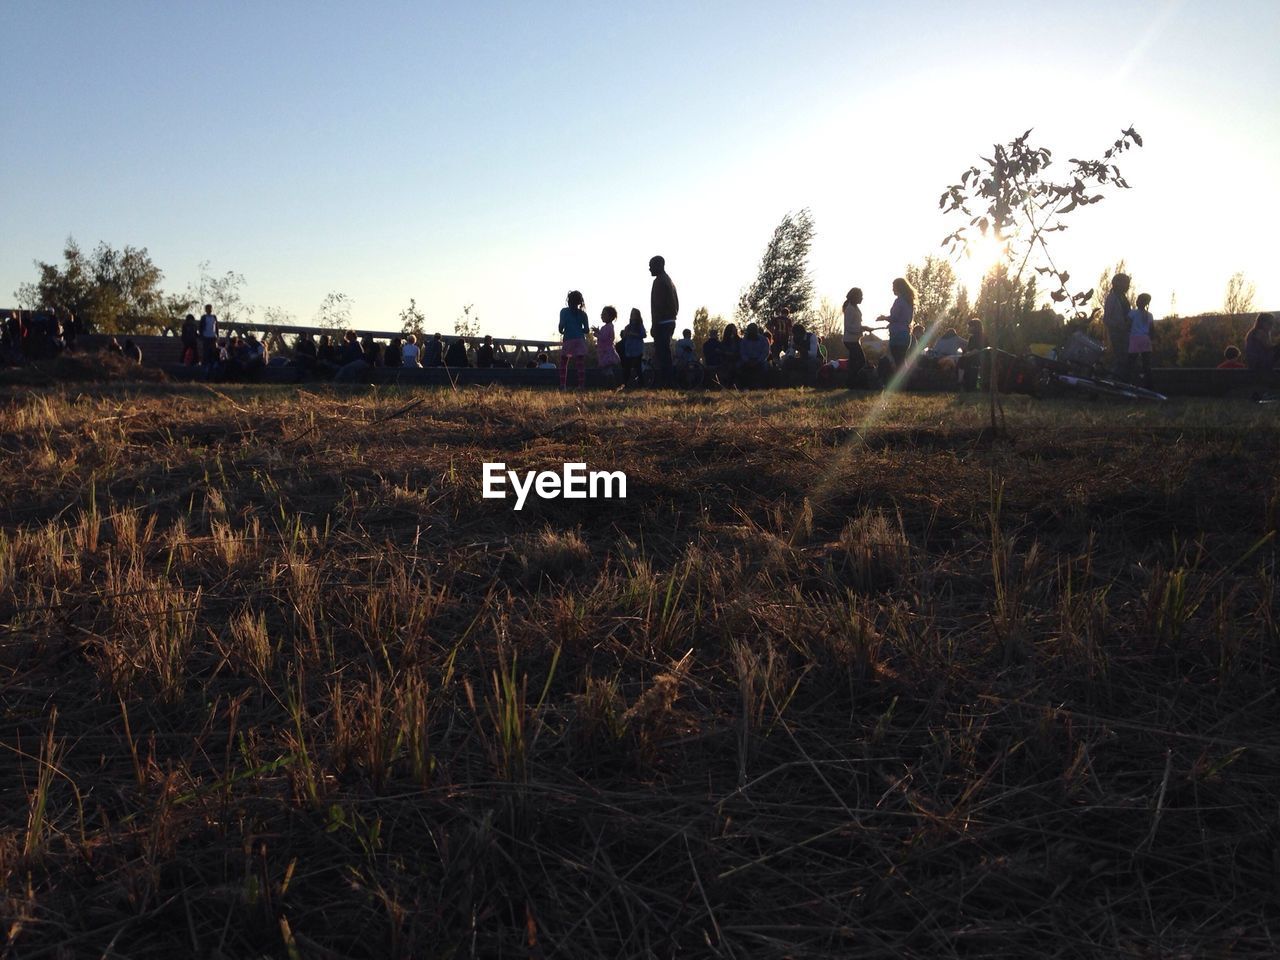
{"x": 1077, "y": 369}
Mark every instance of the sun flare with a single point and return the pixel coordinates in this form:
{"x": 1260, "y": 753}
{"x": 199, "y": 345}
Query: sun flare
{"x": 977, "y": 260}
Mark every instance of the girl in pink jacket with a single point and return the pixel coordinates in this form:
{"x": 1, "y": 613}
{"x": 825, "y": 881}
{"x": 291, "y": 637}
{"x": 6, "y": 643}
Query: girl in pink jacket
{"x": 606, "y": 354}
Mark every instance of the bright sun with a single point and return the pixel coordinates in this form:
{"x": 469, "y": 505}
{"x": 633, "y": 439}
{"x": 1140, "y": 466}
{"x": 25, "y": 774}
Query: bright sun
{"x": 983, "y": 253}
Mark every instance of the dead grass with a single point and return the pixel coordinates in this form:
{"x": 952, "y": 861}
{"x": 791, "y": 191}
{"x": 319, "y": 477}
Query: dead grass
{"x": 838, "y": 678}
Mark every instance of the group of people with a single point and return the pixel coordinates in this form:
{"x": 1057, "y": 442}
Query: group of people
{"x": 1131, "y": 334}
{"x": 756, "y": 354}
{"x": 37, "y": 336}
{"x": 340, "y": 357}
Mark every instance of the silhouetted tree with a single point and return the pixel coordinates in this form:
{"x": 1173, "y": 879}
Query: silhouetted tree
{"x": 1239, "y": 296}
{"x": 783, "y": 278}
{"x": 934, "y": 281}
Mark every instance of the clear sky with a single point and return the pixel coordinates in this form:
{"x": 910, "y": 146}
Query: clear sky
{"x": 499, "y": 154}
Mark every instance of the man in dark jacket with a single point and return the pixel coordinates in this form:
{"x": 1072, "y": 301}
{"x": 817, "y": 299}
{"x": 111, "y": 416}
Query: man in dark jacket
{"x": 664, "y": 306}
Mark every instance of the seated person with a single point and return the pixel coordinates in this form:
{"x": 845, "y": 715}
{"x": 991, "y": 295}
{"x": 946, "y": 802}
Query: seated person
{"x": 683, "y": 349}
{"x": 484, "y": 353}
{"x": 456, "y": 354}
{"x": 114, "y": 347}
{"x": 753, "y": 352}
{"x": 409, "y": 352}
{"x": 544, "y": 363}
{"x": 1231, "y": 359}
{"x": 950, "y": 344}
{"x": 393, "y": 355}
{"x": 803, "y": 354}
{"x": 433, "y": 351}
{"x": 711, "y": 353}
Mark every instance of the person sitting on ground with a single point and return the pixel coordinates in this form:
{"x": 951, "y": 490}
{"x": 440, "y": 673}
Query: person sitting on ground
{"x": 1231, "y": 359}
{"x": 917, "y": 337}
{"x": 573, "y": 331}
{"x": 544, "y": 363}
{"x": 950, "y": 344}
{"x": 231, "y": 360}
{"x": 433, "y": 351}
{"x": 325, "y": 352}
{"x": 372, "y": 352}
{"x": 484, "y": 353}
{"x": 632, "y": 358}
{"x": 685, "y": 352}
{"x": 803, "y": 355}
{"x": 779, "y": 331}
{"x": 393, "y": 354}
{"x": 409, "y": 352}
{"x": 730, "y": 356}
{"x": 753, "y": 369}
{"x": 456, "y": 354}
{"x": 711, "y": 355}
{"x": 607, "y": 358}
{"x": 1260, "y": 354}
{"x": 255, "y": 357}
{"x": 132, "y": 351}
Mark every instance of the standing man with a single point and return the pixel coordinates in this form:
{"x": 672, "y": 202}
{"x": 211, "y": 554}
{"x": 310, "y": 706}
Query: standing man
{"x": 209, "y": 336}
{"x": 664, "y": 305}
{"x": 1115, "y": 317}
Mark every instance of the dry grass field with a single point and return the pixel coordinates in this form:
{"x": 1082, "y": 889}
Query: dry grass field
{"x": 840, "y": 677}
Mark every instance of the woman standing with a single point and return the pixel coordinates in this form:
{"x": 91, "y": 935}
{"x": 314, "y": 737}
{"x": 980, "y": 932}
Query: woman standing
{"x": 573, "y": 328}
{"x": 899, "y": 319}
{"x": 852, "y": 310}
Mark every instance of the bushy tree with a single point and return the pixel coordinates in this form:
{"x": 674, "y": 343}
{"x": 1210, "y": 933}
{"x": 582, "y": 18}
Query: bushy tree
{"x": 934, "y": 281}
{"x": 334, "y": 312}
{"x": 109, "y": 291}
{"x": 961, "y": 310}
{"x": 467, "y": 324}
{"x": 225, "y": 293}
{"x": 1239, "y": 295}
{"x": 824, "y": 319}
{"x": 704, "y": 322}
{"x": 783, "y": 278}
{"x": 412, "y": 320}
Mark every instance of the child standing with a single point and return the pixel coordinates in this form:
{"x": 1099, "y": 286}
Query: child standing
{"x": 1141, "y": 328}
{"x": 573, "y": 328}
{"x": 633, "y": 335}
{"x": 606, "y": 354}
